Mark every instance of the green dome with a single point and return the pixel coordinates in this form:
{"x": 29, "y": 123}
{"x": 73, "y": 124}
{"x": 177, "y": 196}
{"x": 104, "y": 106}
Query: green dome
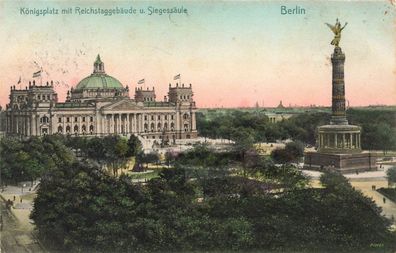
{"x": 99, "y": 81}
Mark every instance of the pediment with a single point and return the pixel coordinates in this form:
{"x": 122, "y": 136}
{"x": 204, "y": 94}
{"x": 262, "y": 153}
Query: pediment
{"x": 123, "y": 105}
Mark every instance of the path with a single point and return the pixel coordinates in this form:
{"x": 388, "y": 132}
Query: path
{"x": 389, "y": 207}
{"x": 15, "y": 237}
{"x": 364, "y": 182}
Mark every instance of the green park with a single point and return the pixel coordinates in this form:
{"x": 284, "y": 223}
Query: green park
{"x": 106, "y": 194}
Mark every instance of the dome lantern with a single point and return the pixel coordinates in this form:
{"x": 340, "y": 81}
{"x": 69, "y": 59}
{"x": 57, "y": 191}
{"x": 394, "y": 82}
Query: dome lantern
{"x": 99, "y": 79}
{"x": 98, "y": 65}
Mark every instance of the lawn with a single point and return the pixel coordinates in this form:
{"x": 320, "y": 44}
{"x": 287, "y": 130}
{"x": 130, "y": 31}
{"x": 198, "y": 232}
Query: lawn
{"x": 390, "y": 193}
{"x": 145, "y": 175}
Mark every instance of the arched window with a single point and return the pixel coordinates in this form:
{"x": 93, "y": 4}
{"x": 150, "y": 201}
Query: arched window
{"x": 44, "y": 119}
{"x": 185, "y": 116}
{"x": 159, "y": 126}
{"x": 68, "y": 129}
{"x": 91, "y": 129}
{"x": 75, "y": 129}
{"x": 166, "y": 126}
{"x": 60, "y": 129}
{"x": 172, "y": 126}
{"x": 152, "y": 127}
{"x": 185, "y": 127}
{"x": 84, "y": 128}
{"x": 145, "y": 127}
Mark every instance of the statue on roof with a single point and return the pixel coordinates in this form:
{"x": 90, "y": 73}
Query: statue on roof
{"x": 337, "y": 32}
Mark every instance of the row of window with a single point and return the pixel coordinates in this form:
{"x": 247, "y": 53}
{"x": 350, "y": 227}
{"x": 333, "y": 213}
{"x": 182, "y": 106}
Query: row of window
{"x": 83, "y": 119}
{"x": 184, "y": 97}
{"x": 43, "y": 97}
{"x": 167, "y": 138}
{"x": 159, "y": 117}
{"x": 159, "y": 127}
{"x": 44, "y": 119}
{"x": 76, "y": 129}
{"x": 185, "y": 116}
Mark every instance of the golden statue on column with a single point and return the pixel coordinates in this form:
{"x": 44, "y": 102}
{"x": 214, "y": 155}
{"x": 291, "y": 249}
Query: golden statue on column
{"x": 337, "y": 32}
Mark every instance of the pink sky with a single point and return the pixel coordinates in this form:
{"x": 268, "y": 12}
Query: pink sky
{"x": 234, "y": 54}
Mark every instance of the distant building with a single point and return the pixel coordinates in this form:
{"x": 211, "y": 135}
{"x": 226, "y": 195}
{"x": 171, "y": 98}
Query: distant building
{"x": 277, "y": 117}
{"x": 100, "y": 105}
{"x": 280, "y": 106}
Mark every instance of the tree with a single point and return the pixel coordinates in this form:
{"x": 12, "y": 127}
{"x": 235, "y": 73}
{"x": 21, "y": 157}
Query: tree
{"x": 28, "y": 159}
{"x": 334, "y": 180}
{"x": 243, "y": 143}
{"x": 291, "y": 153}
{"x": 391, "y": 175}
{"x": 135, "y": 146}
{"x": 96, "y": 212}
{"x": 146, "y": 158}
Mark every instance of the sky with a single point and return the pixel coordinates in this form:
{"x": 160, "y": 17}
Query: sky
{"x": 233, "y": 53}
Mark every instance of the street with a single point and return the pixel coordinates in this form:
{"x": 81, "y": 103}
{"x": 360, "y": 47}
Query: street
{"x": 14, "y": 238}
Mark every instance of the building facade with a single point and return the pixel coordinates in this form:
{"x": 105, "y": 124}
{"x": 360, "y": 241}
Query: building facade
{"x": 100, "y": 105}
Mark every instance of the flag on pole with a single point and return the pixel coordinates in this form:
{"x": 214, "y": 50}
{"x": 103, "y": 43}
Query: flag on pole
{"x": 176, "y": 77}
{"x": 19, "y": 81}
{"x": 37, "y": 74}
{"x": 141, "y": 81}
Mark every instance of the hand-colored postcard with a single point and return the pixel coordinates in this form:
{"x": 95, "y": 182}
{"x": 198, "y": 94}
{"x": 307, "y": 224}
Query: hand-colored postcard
{"x": 197, "y": 126}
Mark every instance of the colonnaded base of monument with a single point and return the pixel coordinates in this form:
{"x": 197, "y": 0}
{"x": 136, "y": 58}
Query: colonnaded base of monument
{"x": 344, "y": 163}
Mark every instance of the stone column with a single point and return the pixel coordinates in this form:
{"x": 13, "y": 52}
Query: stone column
{"x": 177, "y": 125}
{"x": 321, "y": 140}
{"x": 193, "y": 123}
{"x": 63, "y": 124}
{"x": 338, "y": 86}
{"x": 133, "y": 123}
{"x": 335, "y": 141}
{"x": 350, "y": 140}
{"x": 112, "y": 123}
{"x": 17, "y": 124}
{"x": 33, "y": 122}
{"x": 142, "y": 121}
{"x": 115, "y": 123}
{"x": 119, "y": 123}
{"x": 125, "y": 124}
{"x": 105, "y": 124}
{"x": 139, "y": 123}
{"x": 28, "y": 126}
{"x": 122, "y": 124}
{"x": 79, "y": 124}
{"x": 343, "y": 140}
